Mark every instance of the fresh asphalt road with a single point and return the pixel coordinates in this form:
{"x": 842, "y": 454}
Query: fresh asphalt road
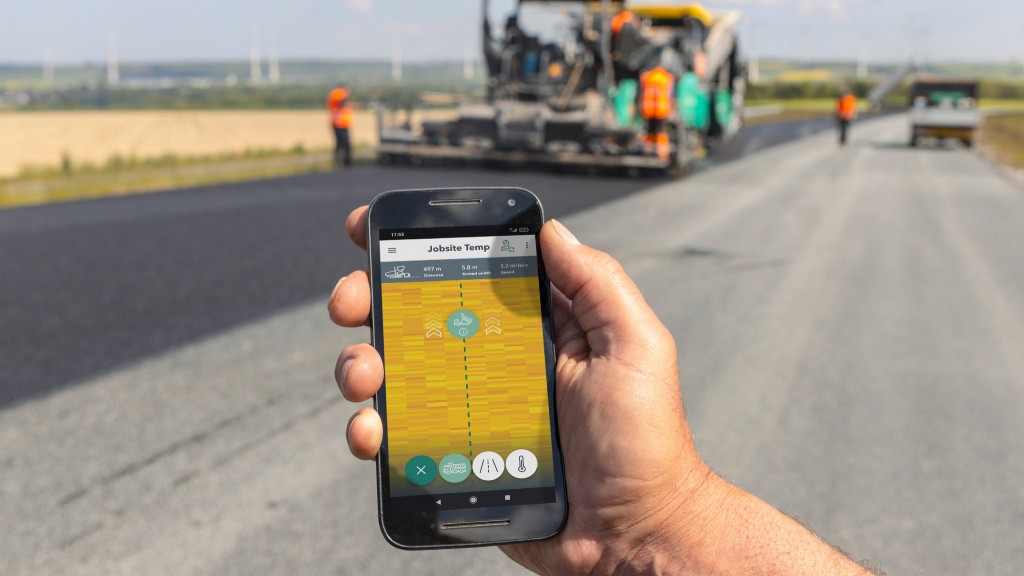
{"x": 850, "y": 325}
{"x": 92, "y": 285}
{"x": 89, "y": 286}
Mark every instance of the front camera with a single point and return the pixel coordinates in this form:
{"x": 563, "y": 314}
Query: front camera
{"x": 511, "y": 202}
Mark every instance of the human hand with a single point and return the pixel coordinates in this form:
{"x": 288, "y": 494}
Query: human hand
{"x": 640, "y": 498}
{"x": 628, "y": 453}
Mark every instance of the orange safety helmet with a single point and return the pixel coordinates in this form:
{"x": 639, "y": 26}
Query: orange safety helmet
{"x": 336, "y": 97}
{"x": 620, "y": 20}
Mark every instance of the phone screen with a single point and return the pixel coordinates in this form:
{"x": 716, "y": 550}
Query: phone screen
{"x": 468, "y": 423}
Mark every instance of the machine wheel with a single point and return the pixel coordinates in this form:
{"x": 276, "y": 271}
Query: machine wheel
{"x": 967, "y": 142}
{"x": 913, "y": 141}
{"x": 679, "y": 170}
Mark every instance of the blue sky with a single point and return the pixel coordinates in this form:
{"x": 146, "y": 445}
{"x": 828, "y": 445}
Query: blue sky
{"x": 148, "y": 30}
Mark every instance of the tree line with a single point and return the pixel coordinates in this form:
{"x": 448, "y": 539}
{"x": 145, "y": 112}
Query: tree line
{"x": 396, "y": 94}
{"x": 988, "y": 88}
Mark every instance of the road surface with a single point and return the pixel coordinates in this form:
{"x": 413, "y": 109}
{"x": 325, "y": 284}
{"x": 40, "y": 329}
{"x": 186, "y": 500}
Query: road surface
{"x": 111, "y": 281}
{"x": 850, "y": 325}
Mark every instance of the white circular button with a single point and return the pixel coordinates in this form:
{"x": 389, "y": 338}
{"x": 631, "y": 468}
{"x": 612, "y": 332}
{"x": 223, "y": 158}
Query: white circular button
{"x": 488, "y": 466}
{"x": 521, "y": 463}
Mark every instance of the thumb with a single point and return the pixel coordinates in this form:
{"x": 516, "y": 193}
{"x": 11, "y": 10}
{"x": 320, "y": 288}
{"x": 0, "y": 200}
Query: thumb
{"x": 606, "y": 303}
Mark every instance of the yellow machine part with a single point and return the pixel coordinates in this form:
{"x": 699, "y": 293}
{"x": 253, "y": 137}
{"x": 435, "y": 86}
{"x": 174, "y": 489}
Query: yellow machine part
{"x": 673, "y": 12}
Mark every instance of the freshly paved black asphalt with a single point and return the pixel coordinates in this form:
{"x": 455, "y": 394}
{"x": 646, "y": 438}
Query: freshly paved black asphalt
{"x": 88, "y": 286}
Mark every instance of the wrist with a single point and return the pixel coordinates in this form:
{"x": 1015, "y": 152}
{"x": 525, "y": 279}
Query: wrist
{"x": 719, "y": 529}
{"x": 672, "y": 534}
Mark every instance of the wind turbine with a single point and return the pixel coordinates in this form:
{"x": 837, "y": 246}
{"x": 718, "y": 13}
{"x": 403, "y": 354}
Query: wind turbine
{"x": 467, "y": 59}
{"x": 48, "y": 66}
{"x": 862, "y": 60}
{"x": 396, "y": 54}
{"x": 273, "y": 65}
{"x": 255, "y": 65}
{"x": 113, "y": 73}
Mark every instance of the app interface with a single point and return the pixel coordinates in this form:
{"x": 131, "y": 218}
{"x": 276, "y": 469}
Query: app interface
{"x": 466, "y": 384}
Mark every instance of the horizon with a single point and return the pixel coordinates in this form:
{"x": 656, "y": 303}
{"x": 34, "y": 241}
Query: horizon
{"x": 458, "y": 61}
{"x": 449, "y": 30}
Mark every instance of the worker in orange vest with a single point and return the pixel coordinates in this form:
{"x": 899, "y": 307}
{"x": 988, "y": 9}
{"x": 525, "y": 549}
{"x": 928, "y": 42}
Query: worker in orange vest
{"x": 626, "y": 44}
{"x": 846, "y": 111}
{"x": 341, "y": 120}
{"x": 656, "y": 87}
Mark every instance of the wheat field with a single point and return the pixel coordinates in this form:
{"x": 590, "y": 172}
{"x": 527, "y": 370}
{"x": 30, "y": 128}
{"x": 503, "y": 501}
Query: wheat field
{"x": 44, "y": 139}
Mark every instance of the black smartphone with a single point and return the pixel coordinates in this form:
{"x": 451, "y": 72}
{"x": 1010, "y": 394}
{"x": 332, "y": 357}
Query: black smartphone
{"x": 462, "y": 319}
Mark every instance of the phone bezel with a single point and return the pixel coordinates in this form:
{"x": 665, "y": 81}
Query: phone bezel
{"x": 421, "y": 209}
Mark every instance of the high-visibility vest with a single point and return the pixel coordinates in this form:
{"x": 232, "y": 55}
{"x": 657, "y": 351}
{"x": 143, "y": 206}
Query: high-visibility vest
{"x": 343, "y": 116}
{"x": 656, "y": 93}
{"x": 847, "y": 107}
{"x": 620, "y": 20}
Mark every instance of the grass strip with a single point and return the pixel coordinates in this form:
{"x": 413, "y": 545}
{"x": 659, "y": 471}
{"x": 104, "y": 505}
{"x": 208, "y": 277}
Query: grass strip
{"x": 1002, "y": 136}
{"x": 129, "y": 176}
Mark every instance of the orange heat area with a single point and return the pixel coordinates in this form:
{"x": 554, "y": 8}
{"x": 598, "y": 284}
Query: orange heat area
{"x": 446, "y": 395}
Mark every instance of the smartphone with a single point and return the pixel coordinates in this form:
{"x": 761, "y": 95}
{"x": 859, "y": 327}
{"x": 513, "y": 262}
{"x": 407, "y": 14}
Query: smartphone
{"x": 462, "y": 319}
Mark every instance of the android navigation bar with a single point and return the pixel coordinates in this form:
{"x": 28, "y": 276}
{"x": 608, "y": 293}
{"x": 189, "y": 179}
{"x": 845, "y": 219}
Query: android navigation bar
{"x": 483, "y": 499}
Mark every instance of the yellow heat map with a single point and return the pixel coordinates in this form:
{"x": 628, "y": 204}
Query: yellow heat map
{"x": 450, "y": 395}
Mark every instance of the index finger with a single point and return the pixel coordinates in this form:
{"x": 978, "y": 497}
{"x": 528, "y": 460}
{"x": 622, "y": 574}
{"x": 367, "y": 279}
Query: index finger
{"x": 355, "y": 226}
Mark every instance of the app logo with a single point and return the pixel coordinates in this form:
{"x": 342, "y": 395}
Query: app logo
{"x": 521, "y": 463}
{"x": 454, "y": 468}
{"x": 420, "y": 470}
{"x": 463, "y": 324}
{"x": 488, "y": 466}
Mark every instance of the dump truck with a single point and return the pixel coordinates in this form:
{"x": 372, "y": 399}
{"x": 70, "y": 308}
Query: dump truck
{"x": 944, "y": 109}
{"x": 571, "y": 97}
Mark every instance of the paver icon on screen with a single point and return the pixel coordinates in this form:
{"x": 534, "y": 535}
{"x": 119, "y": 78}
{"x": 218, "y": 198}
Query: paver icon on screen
{"x": 398, "y": 272}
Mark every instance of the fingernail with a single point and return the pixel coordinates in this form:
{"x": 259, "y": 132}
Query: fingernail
{"x": 335, "y": 291}
{"x": 345, "y": 366}
{"x": 564, "y": 232}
